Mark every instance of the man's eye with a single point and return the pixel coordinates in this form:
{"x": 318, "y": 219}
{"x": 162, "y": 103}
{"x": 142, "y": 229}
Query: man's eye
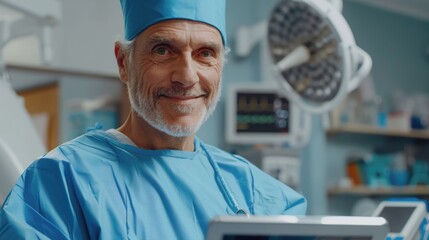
{"x": 161, "y": 51}
{"x": 207, "y": 53}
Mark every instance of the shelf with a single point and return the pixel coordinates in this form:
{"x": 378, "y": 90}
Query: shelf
{"x": 391, "y": 191}
{"x": 362, "y": 129}
{"x": 27, "y": 77}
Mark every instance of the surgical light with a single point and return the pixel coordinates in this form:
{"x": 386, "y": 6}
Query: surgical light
{"x": 314, "y": 53}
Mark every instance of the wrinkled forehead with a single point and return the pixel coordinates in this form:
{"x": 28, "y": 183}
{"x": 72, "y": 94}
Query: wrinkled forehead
{"x": 181, "y": 31}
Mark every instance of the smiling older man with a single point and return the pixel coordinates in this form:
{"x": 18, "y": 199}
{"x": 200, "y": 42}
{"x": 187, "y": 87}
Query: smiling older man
{"x": 151, "y": 178}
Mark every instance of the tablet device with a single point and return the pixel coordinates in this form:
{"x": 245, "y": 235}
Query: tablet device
{"x": 404, "y": 217}
{"x": 297, "y": 227}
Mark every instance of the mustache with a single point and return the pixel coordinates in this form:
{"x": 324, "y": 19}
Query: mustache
{"x": 181, "y": 92}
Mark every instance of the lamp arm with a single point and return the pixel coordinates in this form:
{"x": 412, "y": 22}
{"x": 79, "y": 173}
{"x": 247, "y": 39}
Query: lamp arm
{"x": 39, "y": 9}
{"x": 247, "y": 37}
{"x": 39, "y": 18}
{"x": 338, "y": 4}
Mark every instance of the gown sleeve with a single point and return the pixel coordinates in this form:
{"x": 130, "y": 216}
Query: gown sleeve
{"x": 43, "y": 204}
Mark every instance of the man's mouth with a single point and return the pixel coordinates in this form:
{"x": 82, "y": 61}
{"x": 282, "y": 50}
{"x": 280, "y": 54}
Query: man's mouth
{"x": 182, "y": 95}
{"x": 182, "y": 98}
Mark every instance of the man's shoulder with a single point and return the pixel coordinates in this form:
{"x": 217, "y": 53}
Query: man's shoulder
{"x": 91, "y": 143}
{"x": 88, "y": 156}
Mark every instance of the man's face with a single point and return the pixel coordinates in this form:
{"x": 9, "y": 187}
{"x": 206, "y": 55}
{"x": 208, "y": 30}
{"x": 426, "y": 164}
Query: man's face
{"x": 174, "y": 76}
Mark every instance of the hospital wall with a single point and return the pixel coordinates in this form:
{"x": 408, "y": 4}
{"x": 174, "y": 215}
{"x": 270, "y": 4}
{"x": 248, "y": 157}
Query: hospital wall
{"x": 398, "y": 46}
{"x": 88, "y": 30}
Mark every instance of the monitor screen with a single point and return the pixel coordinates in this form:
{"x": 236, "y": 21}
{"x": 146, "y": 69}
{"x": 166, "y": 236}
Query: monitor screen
{"x": 404, "y": 216}
{"x": 397, "y": 217}
{"x": 261, "y": 112}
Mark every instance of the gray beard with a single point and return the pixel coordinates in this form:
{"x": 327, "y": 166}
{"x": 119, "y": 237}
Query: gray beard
{"x": 147, "y": 111}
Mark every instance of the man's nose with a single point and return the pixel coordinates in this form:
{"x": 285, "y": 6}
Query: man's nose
{"x": 185, "y": 72}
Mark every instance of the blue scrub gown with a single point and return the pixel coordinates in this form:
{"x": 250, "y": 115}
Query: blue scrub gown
{"x": 95, "y": 187}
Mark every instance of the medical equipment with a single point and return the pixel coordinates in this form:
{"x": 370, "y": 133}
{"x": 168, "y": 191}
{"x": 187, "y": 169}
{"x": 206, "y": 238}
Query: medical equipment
{"x": 308, "y": 47}
{"x": 259, "y": 113}
{"x": 314, "y": 53}
{"x": 19, "y": 141}
{"x": 297, "y": 227}
{"x": 10, "y": 167}
{"x": 420, "y": 172}
{"x": 281, "y": 163}
{"x": 377, "y": 170}
{"x": 404, "y": 217}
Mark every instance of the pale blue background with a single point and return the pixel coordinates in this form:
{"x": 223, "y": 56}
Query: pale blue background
{"x": 397, "y": 45}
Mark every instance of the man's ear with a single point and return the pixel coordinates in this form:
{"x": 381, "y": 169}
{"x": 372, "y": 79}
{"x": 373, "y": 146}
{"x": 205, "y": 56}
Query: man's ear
{"x": 121, "y": 60}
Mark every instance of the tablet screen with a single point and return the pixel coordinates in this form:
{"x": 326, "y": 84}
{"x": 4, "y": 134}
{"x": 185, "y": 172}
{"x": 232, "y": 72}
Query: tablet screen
{"x": 244, "y": 237}
{"x": 297, "y": 227}
{"x": 397, "y": 217}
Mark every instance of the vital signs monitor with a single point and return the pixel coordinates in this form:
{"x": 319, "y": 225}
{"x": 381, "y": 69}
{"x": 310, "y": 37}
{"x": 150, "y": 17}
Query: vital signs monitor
{"x": 259, "y": 113}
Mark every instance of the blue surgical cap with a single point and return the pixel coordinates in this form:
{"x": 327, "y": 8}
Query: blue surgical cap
{"x": 141, "y": 14}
